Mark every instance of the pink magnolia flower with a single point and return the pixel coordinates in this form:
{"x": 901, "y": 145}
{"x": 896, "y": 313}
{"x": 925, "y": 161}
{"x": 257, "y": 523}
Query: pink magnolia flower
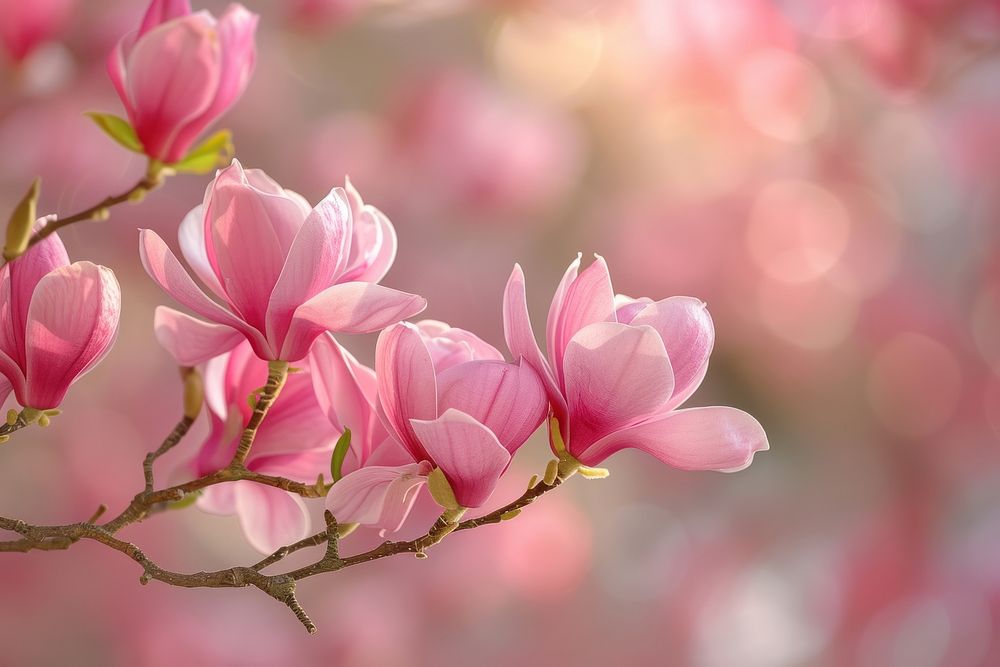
{"x": 57, "y": 321}
{"x": 618, "y": 368}
{"x": 295, "y": 441}
{"x": 286, "y": 273}
{"x": 25, "y": 25}
{"x": 181, "y": 71}
{"x": 451, "y": 402}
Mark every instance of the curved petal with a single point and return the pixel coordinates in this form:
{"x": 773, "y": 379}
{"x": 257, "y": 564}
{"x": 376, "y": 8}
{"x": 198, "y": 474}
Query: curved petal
{"x": 191, "y": 235}
{"x": 616, "y": 376}
{"x": 270, "y": 518}
{"x": 218, "y": 499}
{"x": 407, "y": 388}
{"x": 377, "y": 495}
{"x": 688, "y": 335}
{"x": 172, "y": 76}
{"x": 713, "y": 438}
{"x": 467, "y": 452}
{"x": 236, "y": 30}
{"x": 20, "y": 277}
{"x": 508, "y": 399}
{"x": 314, "y": 261}
{"x": 450, "y": 345}
{"x": 192, "y": 341}
{"x": 520, "y": 337}
{"x": 163, "y": 267}
{"x": 346, "y": 391}
{"x": 72, "y": 324}
{"x": 5, "y": 388}
{"x": 348, "y": 308}
{"x": 374, "y": 246}
{"x": 588, "y": 298}
{"x": 161, "y": 11}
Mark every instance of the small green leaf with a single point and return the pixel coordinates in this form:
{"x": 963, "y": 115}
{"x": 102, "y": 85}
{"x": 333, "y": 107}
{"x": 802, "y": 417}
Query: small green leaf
{"x": 118, "y": 129}
{"x": 188, "y": 500}
{"x": 339, "y": 454}
{"x": 215, "y": 151}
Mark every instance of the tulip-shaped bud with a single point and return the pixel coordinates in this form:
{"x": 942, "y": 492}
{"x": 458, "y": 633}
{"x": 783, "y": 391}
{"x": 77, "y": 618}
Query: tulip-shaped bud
{"x": 179, "y": 72}
{"x": 57, "y": 321}
{"x": 618, "y": 369}
{"x": 282, "y": 270}
{"x": 456, "y": 407}
{"x": 25, "y": 24}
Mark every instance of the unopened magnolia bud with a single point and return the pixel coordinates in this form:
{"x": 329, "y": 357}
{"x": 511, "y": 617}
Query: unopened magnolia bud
{"x": 21, "y": 224}
{"x": 441, "y": 490}
{"x": 551, "y": 472}
{"x": 194, "y": 392}
{"x": 345, "y": 529}
{"x": 532, "y": 482}
{"x": 507, "y": 516}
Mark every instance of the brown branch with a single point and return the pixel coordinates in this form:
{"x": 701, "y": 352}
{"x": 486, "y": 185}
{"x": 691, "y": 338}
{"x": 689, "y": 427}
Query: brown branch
{"x": 277, "y": 373}
{"x": 101, "y": 211}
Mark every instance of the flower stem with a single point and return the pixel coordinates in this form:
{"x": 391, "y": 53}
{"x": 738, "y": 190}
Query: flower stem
{"x": 277, "y": 373}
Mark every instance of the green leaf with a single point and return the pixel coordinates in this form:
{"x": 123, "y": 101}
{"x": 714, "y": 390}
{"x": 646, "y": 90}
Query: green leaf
{"x": 118, "y": 129}
{"x": 215, "y": 151}
{"x": 188, "y": 500}
{"x": 339, "y": 454}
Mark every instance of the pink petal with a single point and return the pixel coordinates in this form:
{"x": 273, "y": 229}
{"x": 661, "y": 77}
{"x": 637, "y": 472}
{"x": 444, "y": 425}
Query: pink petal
{"x": 219, "y": 499}
{"x": 314, "y": 261}
{"x": 508, "y": 399}
{"x": 407, "y": 388}
{"x": 163, "y": 267}
{"x": 271, "y": 518}
{"x": 450, "y": 345}
{"x": 377, "y": 495}
{"x": 688, "y": 336}
{"x": 520, "y": 337}
{"x": 5, "y": 386}
{"x": 713, "y": 438}
{"x": 467, "y": 452}
{"x": 348, "y": 308}
{"x": 72, "y": 324}
{"x": 373, "y": 249}
{"x": 117, "y": 72}
{"x": 346, "y": 391}
{"x": 236, "y": 31}
{"x": 296, "y": 423}
{"x": 616, "y": 375}
{"x": 191, "y": 235}
{"x": 20, "y": 277}
{"x": 192, "y": 341}
{"x": 161, "y": 11}
{"x": 587, "y": 299}
{"x": 172, "y": 76}
{"x": 626, "y": 308}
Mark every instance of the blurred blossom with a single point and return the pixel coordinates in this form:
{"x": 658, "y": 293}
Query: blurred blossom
{"x": 26, "y": 25}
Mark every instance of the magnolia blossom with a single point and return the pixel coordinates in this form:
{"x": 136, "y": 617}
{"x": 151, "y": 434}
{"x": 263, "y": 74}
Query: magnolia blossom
{"x": 57, "y": 321}
{"x": 451, "y": 402}
{"x": 618, "y": 368}
{"x": 25, "y": 25}
{"x": 295, "y": 441}
{"x": 286, "y": 273}
{"x": 181, "y": 71}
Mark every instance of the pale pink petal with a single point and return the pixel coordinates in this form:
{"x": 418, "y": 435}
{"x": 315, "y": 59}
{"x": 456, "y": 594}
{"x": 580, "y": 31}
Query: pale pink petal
{"x": 520, "y": 337}
{"x": 374, "y": 246}
{"x": 192, "y": 341}
{"x": 626, "y": 308}
{"x": 348, "y": 308}
{"x": 191, "y": 235}
{"x": 163, "y": 267}
{"x": 346, "y": 391}
{"x": 173, "y": 73}
{"x": 450, "y": 345}
{"x": 72, "y": 324}
{"x": 688, "y": 336}
{"x": 407, "y": 388}
{"x": 314, "y": 261}
{"x": 236, "y": 30}
{"x": 467, "y": 452}
{"x": 616, "y": 376}
{"x": 556, "y": 306}
{"x": 117, "y": 73}
{"x": 296, "y": 423}
{"x": 271, "y": 518}
{"x": 161, "y": 11}
{"x": 365, "y": 495}
{"x": 508, "y": 399}
{"x": 588, "y": 299}
{"x": 5, "y": 386}
{"x": 713, "y": 438}
{"x": 219, "y": 499}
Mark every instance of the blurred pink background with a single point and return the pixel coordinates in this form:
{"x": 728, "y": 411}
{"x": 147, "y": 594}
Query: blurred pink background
{"x": 823, "y": 173}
